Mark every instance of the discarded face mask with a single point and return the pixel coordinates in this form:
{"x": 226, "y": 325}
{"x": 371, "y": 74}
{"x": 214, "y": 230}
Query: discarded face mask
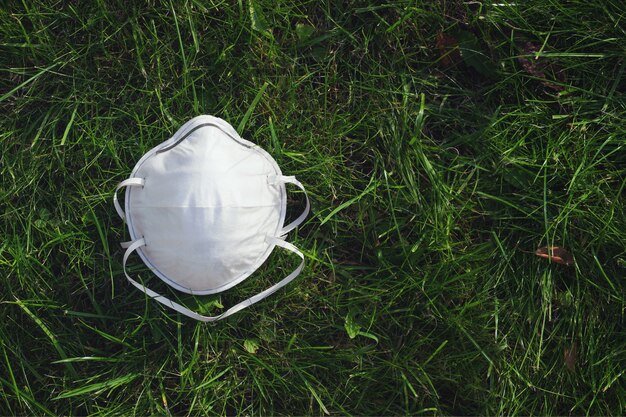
{"x": 204, "y": 210}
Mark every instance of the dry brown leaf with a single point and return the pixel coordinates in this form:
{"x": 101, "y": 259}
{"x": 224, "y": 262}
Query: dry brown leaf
{"x": 556, "y": 254}
{"x": 448, "y": 47}
{"x": 537, "y": 67}
{"x": 570, "y": 357}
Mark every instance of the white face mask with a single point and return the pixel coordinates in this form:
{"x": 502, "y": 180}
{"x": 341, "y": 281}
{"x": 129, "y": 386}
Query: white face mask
{"x": 204, "y": 210}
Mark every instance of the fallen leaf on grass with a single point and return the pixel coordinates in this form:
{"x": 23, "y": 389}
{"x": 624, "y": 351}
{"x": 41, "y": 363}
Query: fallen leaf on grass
{"x": 475, "y": 55}
{"x": 251, "y": 345}
{"x": 537, "y": 67}
{"x": 464, "y": 47}
{"x": 556, "y": 254}
{"x": 304, "y": 32}
{"x": 570, "y": 356}
{"x": 448, "y": 47}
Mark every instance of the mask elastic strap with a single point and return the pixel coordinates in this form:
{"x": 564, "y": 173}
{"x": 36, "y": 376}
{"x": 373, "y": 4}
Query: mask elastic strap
{"x": 300, "y": 219}
{"x": 238, "y": 307}
{"x": 130, "y": 182}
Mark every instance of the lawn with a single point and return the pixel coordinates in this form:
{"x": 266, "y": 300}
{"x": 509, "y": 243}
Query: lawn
{"x": 441, "y": 143}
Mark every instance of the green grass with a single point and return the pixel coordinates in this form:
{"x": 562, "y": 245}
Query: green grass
{"x": 434, "y": 174}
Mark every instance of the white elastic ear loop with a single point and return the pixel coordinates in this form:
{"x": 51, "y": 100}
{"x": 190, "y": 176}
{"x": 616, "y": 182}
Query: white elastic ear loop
{"x": 238, "y": 307}
{"x": 130, "y": 182}
{"x": 307, "y": 209}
